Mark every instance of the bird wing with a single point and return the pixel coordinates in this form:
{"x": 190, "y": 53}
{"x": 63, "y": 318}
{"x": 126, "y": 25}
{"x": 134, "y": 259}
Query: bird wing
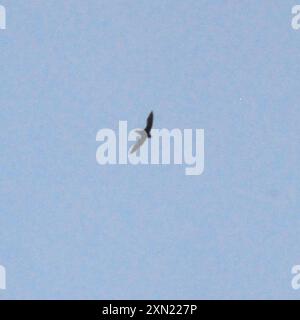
{"x": 149, "y": 122}
{"x": 139, "y": 142}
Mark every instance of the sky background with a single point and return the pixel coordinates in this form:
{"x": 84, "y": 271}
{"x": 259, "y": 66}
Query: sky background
{"x": 72, "y": 229}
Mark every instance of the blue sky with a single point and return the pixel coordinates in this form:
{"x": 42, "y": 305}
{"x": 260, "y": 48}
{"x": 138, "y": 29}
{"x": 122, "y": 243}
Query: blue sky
{"x": 71, "y": 229}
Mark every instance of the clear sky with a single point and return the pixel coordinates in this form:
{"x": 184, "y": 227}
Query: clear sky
{"x": 70, "y": 228}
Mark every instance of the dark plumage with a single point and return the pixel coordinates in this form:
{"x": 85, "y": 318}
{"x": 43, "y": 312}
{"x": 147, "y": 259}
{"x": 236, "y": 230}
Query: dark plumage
{"x": 149, "y": 124}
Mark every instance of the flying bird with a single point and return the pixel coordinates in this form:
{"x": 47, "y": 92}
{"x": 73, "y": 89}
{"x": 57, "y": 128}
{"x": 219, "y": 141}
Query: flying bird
{"x": 144, "y": 134}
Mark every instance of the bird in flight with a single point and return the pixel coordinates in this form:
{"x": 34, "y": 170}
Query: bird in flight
{"x": 144, "y": 134}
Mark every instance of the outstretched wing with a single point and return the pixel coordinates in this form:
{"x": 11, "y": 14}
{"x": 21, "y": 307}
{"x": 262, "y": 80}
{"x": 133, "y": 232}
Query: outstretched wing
{"x": 149, "y": 122}
{"x": 139, "y": 142}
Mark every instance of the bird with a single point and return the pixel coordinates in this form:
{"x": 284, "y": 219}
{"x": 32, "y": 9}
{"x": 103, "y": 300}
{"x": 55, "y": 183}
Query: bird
{"x": 144, "y": 134}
